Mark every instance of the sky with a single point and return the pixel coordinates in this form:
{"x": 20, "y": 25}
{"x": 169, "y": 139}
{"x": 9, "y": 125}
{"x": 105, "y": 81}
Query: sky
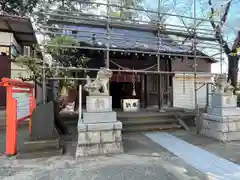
{"x": 186, "y": 7}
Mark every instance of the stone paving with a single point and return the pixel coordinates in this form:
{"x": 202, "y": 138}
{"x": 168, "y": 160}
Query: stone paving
{"x": 228, "y": 150}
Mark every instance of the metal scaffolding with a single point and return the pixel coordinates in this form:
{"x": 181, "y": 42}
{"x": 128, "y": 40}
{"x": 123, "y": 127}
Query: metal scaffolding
{"x": 58, "y": 19}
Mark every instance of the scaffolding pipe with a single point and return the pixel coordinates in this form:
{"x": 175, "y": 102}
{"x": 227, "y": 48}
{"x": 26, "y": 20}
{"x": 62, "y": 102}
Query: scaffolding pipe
{"x": 108, "y": 38}
{"x": 104, "y": 33}
{"x": 114, "y": 18}
{"x": 159, "y": 89}
{"x": 109, "y": 20}
{"x": 125, "y": 70}
{"x": 44, "y": 83}
{"x": 68, "y": 78}
{"x": 138, "y": 9}
{"x": 139, "y": 41}
{"x": 212, "y": 46}
{"x": 129, "y": 51}
{"x": 195, "y": 72}
{"x": 119, "y": 25}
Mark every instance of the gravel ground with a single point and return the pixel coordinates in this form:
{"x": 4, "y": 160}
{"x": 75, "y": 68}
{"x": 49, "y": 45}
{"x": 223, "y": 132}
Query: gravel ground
{"x": 120, "y": 167}
{"x": 143, "y": 160}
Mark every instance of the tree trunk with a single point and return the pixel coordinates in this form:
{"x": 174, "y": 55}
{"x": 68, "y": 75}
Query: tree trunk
{"x": 233, "y": 70}
{"x": 59, "y": 124}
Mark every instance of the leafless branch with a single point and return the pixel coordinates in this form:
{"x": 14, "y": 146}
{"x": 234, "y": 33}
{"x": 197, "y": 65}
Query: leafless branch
{"x": 217, "y": 28}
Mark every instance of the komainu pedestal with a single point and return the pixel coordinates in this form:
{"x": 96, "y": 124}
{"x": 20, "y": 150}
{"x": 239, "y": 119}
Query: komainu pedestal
{"x": 99, "y": 132}
{"x": 222, "y": 120}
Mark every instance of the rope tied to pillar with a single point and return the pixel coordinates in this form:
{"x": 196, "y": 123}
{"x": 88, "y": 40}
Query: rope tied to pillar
{"x": 134, "y": 85}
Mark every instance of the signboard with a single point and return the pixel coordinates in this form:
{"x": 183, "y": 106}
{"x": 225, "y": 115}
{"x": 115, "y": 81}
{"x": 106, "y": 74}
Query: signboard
{"x": 22, "y": 104}
{"x": 131, "y": 105}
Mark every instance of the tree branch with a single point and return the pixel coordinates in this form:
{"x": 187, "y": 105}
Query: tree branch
{"x": 217, "y": 28}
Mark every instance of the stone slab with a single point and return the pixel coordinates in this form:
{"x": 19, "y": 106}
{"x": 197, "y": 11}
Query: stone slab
{"x": 224, "y": 100}
{"x": 99, "y": 149}
{"x": 221, "y": 126}
{"x": 220, "y": 111}
{"x": 99, "y": 126}
{"x": 43, "y": 123}
{"x": 99, "y": 104}
{"x": 46, "y": 153}
{"x": 221, "y": 118}
{"x": 92, "y": 137}
{"x": 222, "y": 136}
{"x": 99, "y": 117}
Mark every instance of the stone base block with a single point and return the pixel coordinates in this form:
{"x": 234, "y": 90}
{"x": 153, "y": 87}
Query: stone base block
{"x": 99, "y": 139}
{"x": 222, "y": 136}
{"x": 99, "y": 126}
{"x": 99, "y": 149}
{"x": 221, "y": 126}
{"x": 96, "y": 137}
{"x": 224, "y": 100}
{"x": 99, "y": 117}
{"x": 221, "y": 111}
{"x": 99, "y": 104}
{"x": 221, "y": 118}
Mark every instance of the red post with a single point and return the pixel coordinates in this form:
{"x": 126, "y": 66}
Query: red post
{"x": 11, "y": 111}
{"x": 11, "y": 123}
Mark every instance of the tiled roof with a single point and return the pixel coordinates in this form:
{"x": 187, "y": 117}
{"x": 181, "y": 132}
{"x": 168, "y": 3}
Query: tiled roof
{"x": 125, "y": 39}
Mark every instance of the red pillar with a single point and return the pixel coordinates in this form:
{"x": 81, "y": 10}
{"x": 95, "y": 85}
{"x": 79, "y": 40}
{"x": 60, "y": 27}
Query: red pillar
{"x": 11, "y": 123}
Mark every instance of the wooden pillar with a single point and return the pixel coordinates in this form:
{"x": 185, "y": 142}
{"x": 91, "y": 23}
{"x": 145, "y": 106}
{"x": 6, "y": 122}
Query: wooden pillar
{"x": 159, "y": 85}
{"x": 142, "y": 91}
{"x": 145, "y": 91}
{"x": 159, "y": 92}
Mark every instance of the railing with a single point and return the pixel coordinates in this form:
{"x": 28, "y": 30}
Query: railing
{"x": 19, "y": 107}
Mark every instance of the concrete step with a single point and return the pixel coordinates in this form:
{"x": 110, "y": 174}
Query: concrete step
{"x": 151, "y": 127}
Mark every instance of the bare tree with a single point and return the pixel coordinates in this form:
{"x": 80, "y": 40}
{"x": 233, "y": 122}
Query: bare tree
{"x": 233, "y": 59}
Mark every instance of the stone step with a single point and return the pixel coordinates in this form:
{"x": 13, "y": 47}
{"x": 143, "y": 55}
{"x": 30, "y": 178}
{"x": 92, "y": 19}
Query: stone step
{"x": 148, "y": 121}
{"x": 142, "y": 115}
{"x": 41, "y": 145}
{"x": 151, "y": 127}
{"x": 46, "y": 153}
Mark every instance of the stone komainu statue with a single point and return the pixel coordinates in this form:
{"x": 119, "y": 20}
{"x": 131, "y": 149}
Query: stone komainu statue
{"x": 101, "y": 81}
{"x": 222, "y": 85}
